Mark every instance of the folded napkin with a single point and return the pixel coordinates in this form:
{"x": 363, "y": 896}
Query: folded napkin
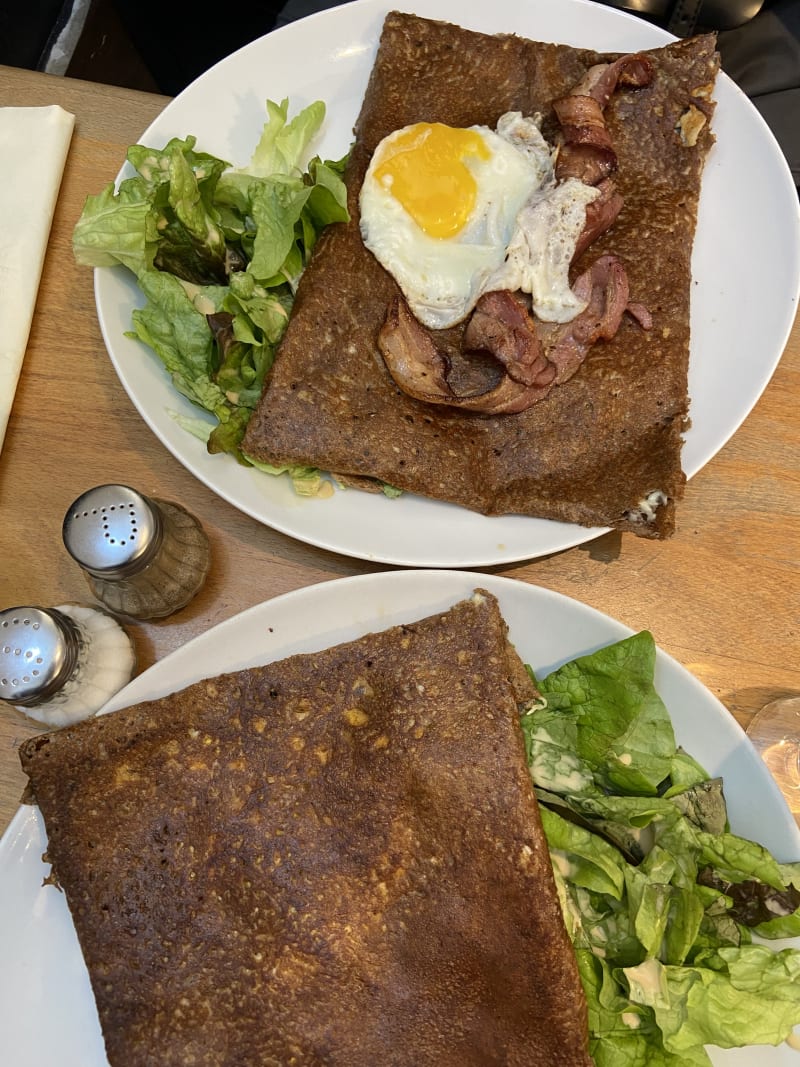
{"x": 34, "y": 142}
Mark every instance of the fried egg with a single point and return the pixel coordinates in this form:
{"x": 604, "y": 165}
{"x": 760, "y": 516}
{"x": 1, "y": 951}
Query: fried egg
{"x": 440, "y": 209}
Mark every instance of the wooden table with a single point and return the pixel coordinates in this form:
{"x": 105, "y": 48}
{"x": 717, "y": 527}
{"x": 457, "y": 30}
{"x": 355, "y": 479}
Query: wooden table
{"x": 722, "y": 597}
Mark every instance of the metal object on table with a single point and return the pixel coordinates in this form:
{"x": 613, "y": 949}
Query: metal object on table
{"x": 685, "y": 17}
{"x": 144, "y": 558}
{"x": 39, "y": 649}
{"x": 59, "y": 665}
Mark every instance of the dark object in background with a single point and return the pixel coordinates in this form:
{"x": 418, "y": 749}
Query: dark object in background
{"x": 26, "y": 30}
{"x": 151, "y": 45}
{"x": 759, "y": 43}
{"x": 163, "y": 45}
{"x": 763, "y": 58}
{"x": 77, "y": 38}
{"x": 685, "y": 17}
{"x": 178, "y": 42}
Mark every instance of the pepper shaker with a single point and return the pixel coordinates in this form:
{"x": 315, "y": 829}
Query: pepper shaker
{"x": 143, "y": 557}
{"x": 59, "y": 665}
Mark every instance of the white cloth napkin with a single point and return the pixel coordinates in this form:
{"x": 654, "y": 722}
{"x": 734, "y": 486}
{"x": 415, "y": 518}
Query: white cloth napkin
{"x": 34, "y": 142}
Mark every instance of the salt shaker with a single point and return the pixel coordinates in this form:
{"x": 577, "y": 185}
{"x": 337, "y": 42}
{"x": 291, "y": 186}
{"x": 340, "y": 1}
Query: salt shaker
{"x": 143, "y": 557}
{"x": 59, "y": 665}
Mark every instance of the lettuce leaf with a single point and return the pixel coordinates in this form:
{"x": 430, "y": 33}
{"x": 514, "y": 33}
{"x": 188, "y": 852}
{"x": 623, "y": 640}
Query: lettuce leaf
{"x": 661, "y": 900}
{"x": 116, "y": 228}
{"x": 283, "y": 144}
{"x": 624, "y": 1033}
{"x": 620, "y": 734}
{"x": 217, "y": 253}
{"x": 729, "y": 997}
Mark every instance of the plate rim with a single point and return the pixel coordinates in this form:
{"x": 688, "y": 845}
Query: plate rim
{"x": 546, "y": 536}
{"x": 448, "y": 580}
{"x": 451, "y": 585}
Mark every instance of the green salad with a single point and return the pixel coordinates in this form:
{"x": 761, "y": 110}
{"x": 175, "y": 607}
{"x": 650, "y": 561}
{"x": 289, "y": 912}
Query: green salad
{"x": 668, "y": 910}
{"x": 217, "y": 253}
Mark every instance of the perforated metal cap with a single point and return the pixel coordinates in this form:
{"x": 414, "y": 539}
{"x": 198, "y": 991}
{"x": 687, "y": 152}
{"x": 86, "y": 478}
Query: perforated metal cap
{"x": 39, "y": 650}
{"x": 112, "y": 531}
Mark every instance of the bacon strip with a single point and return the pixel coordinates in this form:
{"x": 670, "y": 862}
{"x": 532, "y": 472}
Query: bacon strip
{"x": 605, "y": 286}
{"x": 633, "y": 71}
{"x": 641, "y": 314}
{"x": 534, "y": 356}
{"x": 501, "y": 324}
{"x": 601, "y": 214}
{"x": 420, "y": 369}
{"x": 587, "y": 151}
{"x": 413, "y": 360}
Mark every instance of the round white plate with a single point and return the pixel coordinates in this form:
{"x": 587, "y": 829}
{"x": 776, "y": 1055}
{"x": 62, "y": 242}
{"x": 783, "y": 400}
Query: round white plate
{"x": 46, "y": 1002}
{"x": 746, "y": 267}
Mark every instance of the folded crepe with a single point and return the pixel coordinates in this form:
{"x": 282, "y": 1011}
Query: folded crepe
{"x": 602, "y": 449}
{"x": 332, "y": 859}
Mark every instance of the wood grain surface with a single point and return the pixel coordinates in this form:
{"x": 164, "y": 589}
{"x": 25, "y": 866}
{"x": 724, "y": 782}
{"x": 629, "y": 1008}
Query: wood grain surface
{"x": 722, "y": 597}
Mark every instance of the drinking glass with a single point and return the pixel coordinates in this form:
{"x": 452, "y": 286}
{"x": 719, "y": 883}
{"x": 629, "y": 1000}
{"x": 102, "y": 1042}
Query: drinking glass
{"x": 775, "y": 732}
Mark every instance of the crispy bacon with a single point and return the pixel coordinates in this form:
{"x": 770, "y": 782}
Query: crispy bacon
{"x": 604, "y": 286}
{"x": 601, "y": 214}
{"x": 641, "y": 314}
{"x": 502, "y": 325}
{"x": 421, "y": 370}
{"x": 413, "y": 360}
{"x": 633, "y": 71}
{"x": 535, "y": 356}
{"x": 586, "y": 151}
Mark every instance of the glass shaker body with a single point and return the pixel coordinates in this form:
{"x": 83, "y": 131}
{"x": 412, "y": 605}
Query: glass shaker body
{"x": 59, "y": 665}
{"x": 143, "y": 557}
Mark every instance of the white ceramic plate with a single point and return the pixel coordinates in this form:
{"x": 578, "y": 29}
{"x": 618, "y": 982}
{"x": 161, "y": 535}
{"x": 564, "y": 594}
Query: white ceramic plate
{"x": 746, "y": 266}
{"x": 46, "y": 1002}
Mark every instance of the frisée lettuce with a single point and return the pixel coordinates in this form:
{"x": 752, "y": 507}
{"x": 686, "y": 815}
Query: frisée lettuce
{"x": 217, "y": 253}
{"x": 667, "y": 909}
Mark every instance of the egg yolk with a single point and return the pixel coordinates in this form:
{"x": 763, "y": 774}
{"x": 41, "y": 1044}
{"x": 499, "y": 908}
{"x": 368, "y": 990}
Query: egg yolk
{"x": 423, "y": 168}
